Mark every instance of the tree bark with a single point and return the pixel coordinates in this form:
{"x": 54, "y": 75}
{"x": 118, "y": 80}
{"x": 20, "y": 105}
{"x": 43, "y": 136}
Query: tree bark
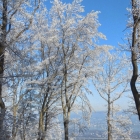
{"x": 41, "y": 126}
{"x": 14, "y": 128}
{"x": 66, "y": 129}
{"x": 134, "y": 58}
{"x": 2, "y": 50}
{"x": 108, "y": 116}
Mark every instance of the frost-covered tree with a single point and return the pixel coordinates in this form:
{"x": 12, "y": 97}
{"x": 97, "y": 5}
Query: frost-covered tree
{"x": 54, "y": 55}
{"x": 16, "y": 18}
{"x": 20, "y": 100}
{"x": 111, "y": 83}
{"x": 120, "y": 127}
{"x": 64, "y": 48}
{"x": 75, "y": 36}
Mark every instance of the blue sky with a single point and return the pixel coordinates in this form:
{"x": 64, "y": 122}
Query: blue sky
{"x": 113, "y": 20}
{"x": 113, "y": 17}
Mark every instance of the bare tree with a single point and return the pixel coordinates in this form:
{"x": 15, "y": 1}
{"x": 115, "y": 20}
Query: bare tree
{"x": 11, "y": 32}
{"x": 54, "y": 55}
{"x": 111, "y": 83}
{"x": 18, "y": 97}
{"x": 68, "y": 50}
{"x": 45, "y": 70}
{"x": 74, "y": 37}
{"x": 8, "y": 35}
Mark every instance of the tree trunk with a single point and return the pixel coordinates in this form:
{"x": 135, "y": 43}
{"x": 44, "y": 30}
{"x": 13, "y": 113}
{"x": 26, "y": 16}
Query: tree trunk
{"x": 108, "y": 120}
{"x": 46, "y": 122}
{"x": 14, "y": 129}
{"x": 134, "y": 57}
{"x": 66, "y": 129}
{"x": 2, "y": 50}
{"x": 41, "y": 135}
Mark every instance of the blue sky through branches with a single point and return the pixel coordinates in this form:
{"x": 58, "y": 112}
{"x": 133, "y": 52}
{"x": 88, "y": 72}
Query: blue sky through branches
{"x": 113, "y": 19}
